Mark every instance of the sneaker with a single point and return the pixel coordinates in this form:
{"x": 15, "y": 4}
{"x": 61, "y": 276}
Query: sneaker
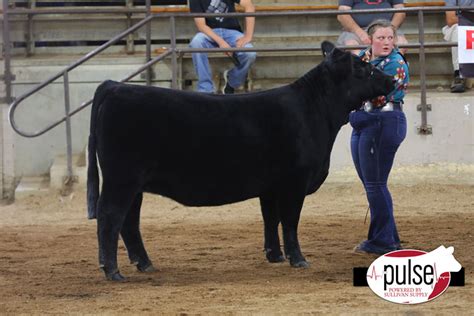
{"x": 458, "y": 85}
{"x": 364, "y": 248}
{"x": 362, "y": 251}
{"x": 227, "y": 88}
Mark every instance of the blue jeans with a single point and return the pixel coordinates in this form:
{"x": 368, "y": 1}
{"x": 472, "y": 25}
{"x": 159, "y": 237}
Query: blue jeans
{"x": 374, "y": 142}
{"x": 236, "y": 76}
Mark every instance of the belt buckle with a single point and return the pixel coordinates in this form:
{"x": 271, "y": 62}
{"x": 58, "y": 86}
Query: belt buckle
{"x": 387, "y": 107}
{"x": 368, "y": 106}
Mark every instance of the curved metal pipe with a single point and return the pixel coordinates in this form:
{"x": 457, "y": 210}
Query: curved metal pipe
{"x": 14, "y": 105}
{"x": 80, "y": 108}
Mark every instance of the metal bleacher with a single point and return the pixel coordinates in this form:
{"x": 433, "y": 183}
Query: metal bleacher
{"x": 74, "y": 34}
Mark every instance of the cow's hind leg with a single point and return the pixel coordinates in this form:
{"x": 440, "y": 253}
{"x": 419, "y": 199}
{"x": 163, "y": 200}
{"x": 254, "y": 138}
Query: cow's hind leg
{"x": 132, "y": 238}
{"x": 271, "y": 220}
{"x": 290, "y": 208}
{"x": 114, "y": 204}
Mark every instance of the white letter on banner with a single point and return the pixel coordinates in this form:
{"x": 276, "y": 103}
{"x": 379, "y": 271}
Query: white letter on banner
{"x": 466, "y": 44}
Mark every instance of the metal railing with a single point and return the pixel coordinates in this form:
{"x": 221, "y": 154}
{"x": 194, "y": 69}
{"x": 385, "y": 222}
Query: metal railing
{"x": 174, "y": 51}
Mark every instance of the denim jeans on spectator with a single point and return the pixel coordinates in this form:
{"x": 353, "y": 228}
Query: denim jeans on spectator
{"x": 237, "y": 75}
{"x": 374, "y": 142}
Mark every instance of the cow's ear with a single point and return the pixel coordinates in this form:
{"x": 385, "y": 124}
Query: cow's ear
{"x": 342, "y": 62}
{"x": 327, "y": 48}
{"x": 339, "y": 53}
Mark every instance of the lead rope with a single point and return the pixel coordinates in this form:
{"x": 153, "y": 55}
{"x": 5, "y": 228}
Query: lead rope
{"x": 367, "y": 213}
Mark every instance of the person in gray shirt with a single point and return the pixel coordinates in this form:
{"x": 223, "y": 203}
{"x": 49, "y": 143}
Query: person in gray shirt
{"x": 450, "y": 32}
{"x": 354, "y": 26}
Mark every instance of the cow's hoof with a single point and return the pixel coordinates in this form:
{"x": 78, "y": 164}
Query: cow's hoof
{"x": 116, "y": 277}
{"x": 276, "y": 259}
{"x": 146, "y": 268}
{"x": 274, "y": 256}
{"x": 300, "y": 264}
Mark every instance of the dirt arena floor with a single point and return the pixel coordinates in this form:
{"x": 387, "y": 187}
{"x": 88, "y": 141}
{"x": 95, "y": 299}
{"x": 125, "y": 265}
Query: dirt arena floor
{"x": 210, "y": 260}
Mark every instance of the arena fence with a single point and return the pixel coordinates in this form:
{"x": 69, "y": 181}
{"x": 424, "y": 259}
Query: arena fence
{"x": 175, "y": 52}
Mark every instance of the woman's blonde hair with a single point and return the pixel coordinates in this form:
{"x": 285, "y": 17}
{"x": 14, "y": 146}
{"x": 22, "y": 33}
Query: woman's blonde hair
{"x": 380, "y": 23}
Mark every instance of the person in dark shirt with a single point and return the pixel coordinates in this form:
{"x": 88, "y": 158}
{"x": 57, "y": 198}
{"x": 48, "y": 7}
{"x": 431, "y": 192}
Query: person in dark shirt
{"x": 222, "y": 32}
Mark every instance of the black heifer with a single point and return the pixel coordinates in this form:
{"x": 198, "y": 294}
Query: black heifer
{"x": 201, "y": 149}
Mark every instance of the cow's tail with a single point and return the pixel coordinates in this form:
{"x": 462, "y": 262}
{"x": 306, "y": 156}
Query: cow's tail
{"x": 92, "y": 170}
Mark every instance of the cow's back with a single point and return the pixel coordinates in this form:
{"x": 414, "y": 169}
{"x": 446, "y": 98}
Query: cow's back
{"x": 201, "y": 149}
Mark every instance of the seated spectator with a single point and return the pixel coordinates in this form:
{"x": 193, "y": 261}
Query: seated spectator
{"x": 450, "y": 32}
{"x": 355, "y": 26}
{"x": 223, "y": 32}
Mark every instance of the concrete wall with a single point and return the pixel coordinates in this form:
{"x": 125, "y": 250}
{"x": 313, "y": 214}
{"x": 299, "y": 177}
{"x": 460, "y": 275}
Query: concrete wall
{"x": 7, "y": 155}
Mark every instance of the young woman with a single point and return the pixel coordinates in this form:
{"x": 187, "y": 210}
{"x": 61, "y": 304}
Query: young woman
{"x": 379, "y": 127}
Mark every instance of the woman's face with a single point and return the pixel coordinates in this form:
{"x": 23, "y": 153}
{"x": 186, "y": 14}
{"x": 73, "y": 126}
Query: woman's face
{"x": 383, "y": 41}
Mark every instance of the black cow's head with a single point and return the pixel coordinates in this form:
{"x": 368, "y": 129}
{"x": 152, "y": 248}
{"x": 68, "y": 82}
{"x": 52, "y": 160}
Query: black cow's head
{"x": 355, "y": 80}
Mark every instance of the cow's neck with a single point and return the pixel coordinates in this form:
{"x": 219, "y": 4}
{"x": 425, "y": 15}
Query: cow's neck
{"x": 324, "y": 96}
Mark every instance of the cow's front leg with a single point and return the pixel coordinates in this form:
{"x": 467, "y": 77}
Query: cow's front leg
{"x": 290, "y": 209}
{"x": 271, "y": 220}
{"x": 132, "y": 238}
{"x": 113, "y": 207}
